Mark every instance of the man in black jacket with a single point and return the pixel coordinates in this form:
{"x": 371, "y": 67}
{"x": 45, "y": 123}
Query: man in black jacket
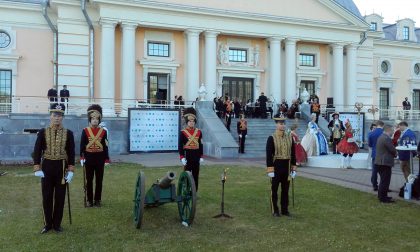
{"x": 55, "y": 147}
{"x": 384, "y": 161}
{"x": 94, "y": 154}
{"x": 281, "y": 165}
{"x": 263, "y": 105}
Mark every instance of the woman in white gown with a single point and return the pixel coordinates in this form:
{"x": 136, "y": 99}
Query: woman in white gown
{"x": 314, "y": 142}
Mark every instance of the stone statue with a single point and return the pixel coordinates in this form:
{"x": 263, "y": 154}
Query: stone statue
{"x": 257, "y": 55}
{"x": 304, "y": 96}
{"x": 202, "y": 92}
{"x": 223, "y": 54}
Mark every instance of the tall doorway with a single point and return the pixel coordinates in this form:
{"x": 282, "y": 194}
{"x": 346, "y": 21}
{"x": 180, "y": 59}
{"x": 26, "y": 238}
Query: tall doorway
{"x": 384, "y": 103}
{"x": 309, "y": 85}
{"x": 238, "y": 88}
{"x": 158, "y": 88}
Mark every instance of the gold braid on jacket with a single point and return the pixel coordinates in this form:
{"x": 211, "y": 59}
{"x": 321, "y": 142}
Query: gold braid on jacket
{"x": 283, "y": 145}
{"x": 56, "y": 139}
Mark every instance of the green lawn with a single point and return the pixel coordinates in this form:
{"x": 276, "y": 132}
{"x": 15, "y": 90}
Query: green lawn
{"x": 325, "y": 217}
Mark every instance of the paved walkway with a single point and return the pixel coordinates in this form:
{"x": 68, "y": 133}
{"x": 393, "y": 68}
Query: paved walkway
{"x": 358, "y": 179}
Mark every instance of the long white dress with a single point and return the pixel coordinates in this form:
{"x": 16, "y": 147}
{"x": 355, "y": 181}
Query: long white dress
{"x": 314, "y": 142}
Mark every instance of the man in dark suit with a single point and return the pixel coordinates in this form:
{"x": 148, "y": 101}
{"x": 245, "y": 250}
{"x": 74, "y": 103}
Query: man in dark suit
{"x": 373, "y": 138}
{"x": 52, "y": 94}
{"x": 263, "y": 105}
{"x": 384, "y": 161}
{"x": 406, "y": 106}
{"x": 64, "y": 94}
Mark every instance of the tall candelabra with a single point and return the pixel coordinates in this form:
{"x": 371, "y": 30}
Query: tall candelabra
{"x": 358, "y": 106}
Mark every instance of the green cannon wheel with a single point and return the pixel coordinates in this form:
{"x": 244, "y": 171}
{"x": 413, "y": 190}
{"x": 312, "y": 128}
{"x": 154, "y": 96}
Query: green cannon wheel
{"x": 139, "y": 196}
{"x": 187, "y": 197}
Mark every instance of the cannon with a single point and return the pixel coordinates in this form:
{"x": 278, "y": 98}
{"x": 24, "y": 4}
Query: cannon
{"x": 164, "y": 191}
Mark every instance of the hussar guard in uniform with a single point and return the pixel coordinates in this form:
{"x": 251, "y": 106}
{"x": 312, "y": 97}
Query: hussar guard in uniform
{"x": 228, "y": 112}
{"x": 242, "y": 128}
{"x": 190, "y": 146}
{"x": 316, "y": 108}
{"x": 94, "y": 154}
{"x": 337, "y": 128}
{"x": 281, "y": 165}
{"x": 54, "y": 163}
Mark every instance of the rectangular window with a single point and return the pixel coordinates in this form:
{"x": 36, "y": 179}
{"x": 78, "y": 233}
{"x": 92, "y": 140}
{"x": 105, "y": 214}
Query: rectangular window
{"x": 406, "y": 33}
{"x": 373, "y": 26}
{"x": 384, "y": 103}
{"x": 416, "y": 99}
{"x": 306, "y": 60}
{"x": 238, "y": 55}
{"x": 158, "y": 49}
{"x": 5, "y": 91}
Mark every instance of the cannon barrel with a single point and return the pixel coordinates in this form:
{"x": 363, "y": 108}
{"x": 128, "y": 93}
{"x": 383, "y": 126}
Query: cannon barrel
{"x": 166, "y": 181}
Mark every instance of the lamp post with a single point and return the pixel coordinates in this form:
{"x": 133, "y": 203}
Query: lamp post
{"x": 373, "y": 110}
{"x": 358, "y": 106}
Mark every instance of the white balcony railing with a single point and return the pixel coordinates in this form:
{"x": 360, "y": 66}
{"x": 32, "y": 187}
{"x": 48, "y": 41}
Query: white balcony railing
{"x": 78, "y": 105}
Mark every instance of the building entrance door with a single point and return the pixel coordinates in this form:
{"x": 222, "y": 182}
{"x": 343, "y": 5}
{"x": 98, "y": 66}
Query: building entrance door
{"x": 238, "y": 88}
{"x": 158, "y": 88}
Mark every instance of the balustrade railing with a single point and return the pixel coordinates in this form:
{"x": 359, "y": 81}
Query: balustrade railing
{"x": 119, "y": 108}
{"x": 78, "y": 105}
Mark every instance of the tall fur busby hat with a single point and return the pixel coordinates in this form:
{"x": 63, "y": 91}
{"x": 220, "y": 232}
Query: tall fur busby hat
{"x": 94, "y": 110}
{"x": 190, "y": 114}
{"x": 57, "y": 108}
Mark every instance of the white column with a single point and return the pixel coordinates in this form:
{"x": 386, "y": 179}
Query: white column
{"x": 107, "y": 70}
{"x": 210, "y": 63}
{"x": 338, "y": 79}
{"x": 290, "y": 86}
{"x": 351, "y": 75}
{"x": 275, "y": 70}
{"x": 128, "y": 64}
{"x": 192, "y": 84}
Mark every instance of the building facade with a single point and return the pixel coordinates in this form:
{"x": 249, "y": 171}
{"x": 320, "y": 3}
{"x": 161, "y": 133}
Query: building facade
{"x": 120, "y": 52}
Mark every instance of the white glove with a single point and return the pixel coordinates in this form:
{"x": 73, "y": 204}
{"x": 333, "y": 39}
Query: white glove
{"x": 246, "y": 135}
{"x": 82, "y": 161}
{"x": 69, "y": 177}
{"x": 39, "y": 174}
{"x": 184, "y": 161}
{"x": 293, "y": 174}
{"x": 201, "y": 160}
{"x": 240, "y": 135}
{"x": 270, "y": 174}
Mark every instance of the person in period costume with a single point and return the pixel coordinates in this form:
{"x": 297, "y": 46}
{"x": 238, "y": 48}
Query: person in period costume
{"x": 94, "y": 154}
{"x": 407, "y": 137}
{"x": 242, "y": 129}
{"x": 54, "y": 163}
{"x": 372, "y": 140}
{"x": 314, "y": 142}
{"x": 337, "y": 128}
{"x": 397, "y": 133}
{"x": 190, "y": 146}
{"x": 316, "y": 108}
{"x": 228, "y": 105}
{"x": 384, "y": 161}
{"x": 347, "y": 146}
{"x": 281, "y": 165}
{"x": 300, "y": 153}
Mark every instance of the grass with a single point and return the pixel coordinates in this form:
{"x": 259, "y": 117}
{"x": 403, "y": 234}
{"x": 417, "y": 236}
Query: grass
{"x": 325, "y": 217}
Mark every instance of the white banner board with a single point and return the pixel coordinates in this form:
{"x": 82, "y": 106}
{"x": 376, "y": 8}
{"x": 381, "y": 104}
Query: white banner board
{"x": 153, "y": 130}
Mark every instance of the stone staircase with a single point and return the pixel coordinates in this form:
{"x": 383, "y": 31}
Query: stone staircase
{"x": 258, "y": 132}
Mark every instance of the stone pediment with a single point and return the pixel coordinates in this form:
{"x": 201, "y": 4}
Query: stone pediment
{"x": 317, "y": 10}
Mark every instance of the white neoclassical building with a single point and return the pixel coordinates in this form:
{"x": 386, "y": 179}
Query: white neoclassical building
{"x": 125, "y": 51}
